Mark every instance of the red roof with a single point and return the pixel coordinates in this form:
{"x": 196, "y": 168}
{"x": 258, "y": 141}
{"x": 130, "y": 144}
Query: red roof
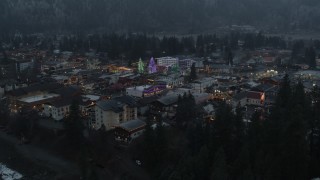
{"x": 268, "y": 59}
{"x": 254, "y": 95}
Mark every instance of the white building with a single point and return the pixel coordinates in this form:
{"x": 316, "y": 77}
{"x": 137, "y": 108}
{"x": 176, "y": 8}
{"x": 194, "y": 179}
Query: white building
{"x": 137, "y": 91}
{"x": 167, "y": 61}
{"x": 23, "y": 65}
{"x": 93, "y": 64}
{"x": 249, "y": 98}
{"x": 128, "y": 131}
{"x": 56, "y": 109}
{"x": 171, "y": 81}
{"x": 201, "y": 85}
{"x": 114, "y": 112}
{"x": 186, "y": 63}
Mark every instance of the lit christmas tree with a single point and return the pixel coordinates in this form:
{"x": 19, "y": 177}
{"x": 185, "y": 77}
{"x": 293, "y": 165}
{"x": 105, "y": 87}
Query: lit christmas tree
{"x": 175, "y": 68}
{"x": 152, "y": 66}
{"x": 140, "y": 66}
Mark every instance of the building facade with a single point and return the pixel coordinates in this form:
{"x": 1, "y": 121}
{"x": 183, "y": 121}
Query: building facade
{"x": 128, "y": 131}
{"x": 111, "y": 113}
{"x": 167, "y": 61}
{"x": 200, "y": 86}
{"x": 56, "y": 111}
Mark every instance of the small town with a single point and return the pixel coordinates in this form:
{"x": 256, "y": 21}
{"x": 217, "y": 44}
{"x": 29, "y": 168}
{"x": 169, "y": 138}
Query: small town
{"x": 88, "y": 105}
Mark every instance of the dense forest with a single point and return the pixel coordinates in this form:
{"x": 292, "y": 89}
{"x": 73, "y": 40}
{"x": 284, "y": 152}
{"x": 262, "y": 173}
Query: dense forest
{"x": 185, "y": 16}
{"x": 281, "y": 144}
{"x": 133, "y": 46}
{"x": 130, "y": 47}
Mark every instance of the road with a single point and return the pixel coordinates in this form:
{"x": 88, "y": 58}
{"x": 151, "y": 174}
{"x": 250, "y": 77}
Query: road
{"x": 38, "y": 161}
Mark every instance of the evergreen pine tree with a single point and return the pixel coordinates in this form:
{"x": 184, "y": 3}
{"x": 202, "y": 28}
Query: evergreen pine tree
{"x": 239, "y": 127}
{"x": 294, "y": 148}
{"x": 254, "y": 142}
{"x": 310, "y": 56}
{"x": 274, "y": 132}
{"x": 220, "y": 167}
{"x": 149, "y": 146}
{"x": 4, "y": 113}
{"x": 314, "y": 138}
{"x": 161, "y": 142}
{"x": 202, "y": 161}
{"x": 223, "y": 128}
{"x": 74, "y": 126}
{"x": 193, "y": 73}
{"x": 242, "y": 167}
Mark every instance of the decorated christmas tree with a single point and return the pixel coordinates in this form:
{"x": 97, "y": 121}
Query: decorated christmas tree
{"x": 152, "y": 66}
{"x": 140, "y": 66}
{"x": 175, "y": 68}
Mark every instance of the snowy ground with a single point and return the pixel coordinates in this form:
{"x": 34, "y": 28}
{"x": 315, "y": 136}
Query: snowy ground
{"x": 9, "y": 174}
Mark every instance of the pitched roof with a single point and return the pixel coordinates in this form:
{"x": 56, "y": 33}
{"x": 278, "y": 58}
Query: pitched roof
{"x": 133, "y": 125}
{"x": 148, "y": 100}
{"x": 68, "y": 91}
{"x": 239, "y": 96}
{"x": 110, "y": 105}
{"x": 60, "y": 102}
{"x": 168, "y": 100}
{"x": 35, "y": 87}
{"x": 262, "y": 87}
{"x": 128, "y": 100}
{"x": 248, "y": 94}
{"x": 254, "y": 95}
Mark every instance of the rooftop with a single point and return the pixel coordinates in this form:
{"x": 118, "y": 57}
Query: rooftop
{"x": 36, "y": 98}
{"x": 140, "y": 88}
{"x": 239, "y": 96}
{"x": 254, "y": 95}
{"x": 110, "y": 105}
{"x": 132, "y": 125}
{"x": 128, "y": 100}
{"x": 91, "y": 97}
{"x": 168, "y": 100}
{"x": 60, "y": 102}
{"x": 36, "y": 87}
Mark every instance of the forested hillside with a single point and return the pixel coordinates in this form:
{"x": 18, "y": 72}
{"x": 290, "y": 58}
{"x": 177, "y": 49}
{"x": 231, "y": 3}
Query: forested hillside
{"x": 187, "y": 16}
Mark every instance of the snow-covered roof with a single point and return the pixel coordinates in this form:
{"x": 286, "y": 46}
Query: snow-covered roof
{"x": 36, "y": 98}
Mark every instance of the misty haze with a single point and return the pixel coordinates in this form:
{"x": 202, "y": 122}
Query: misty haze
{"x": 159, "y": 89}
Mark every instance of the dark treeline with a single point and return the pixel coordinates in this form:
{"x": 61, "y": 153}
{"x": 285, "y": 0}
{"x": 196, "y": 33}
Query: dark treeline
{"x": 133, "y": 46}
{"x": 188, "y": 16}
{"x": 303, "y": 53}
{"x": 282, "y": 144}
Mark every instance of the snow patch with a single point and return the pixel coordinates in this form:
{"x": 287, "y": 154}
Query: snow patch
{"x": 9, "y": 174}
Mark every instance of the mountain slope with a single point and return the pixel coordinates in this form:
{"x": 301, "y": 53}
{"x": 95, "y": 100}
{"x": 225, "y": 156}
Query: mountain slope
{"x": 156, "y": 15}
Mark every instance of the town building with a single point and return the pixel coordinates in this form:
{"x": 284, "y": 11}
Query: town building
{"x": 200, "y": 86}
{"x": 186, "y": 63}
{"x": 93, "y": 64}
{"x": 34, "y": 95}
{"x": 246, "y": 98}
{"x": 111, "y": 113}
{"x": 221, "y": 69}
{"x": 167, "y": 61}
{"x": 128, "y": 131}
{"x": 146, "y": 90}
{"x": 166, "y": 105}
{"x": 57, "y": 110}
{"x": 24, "y": 65}
{"x": 171, "y": 81}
